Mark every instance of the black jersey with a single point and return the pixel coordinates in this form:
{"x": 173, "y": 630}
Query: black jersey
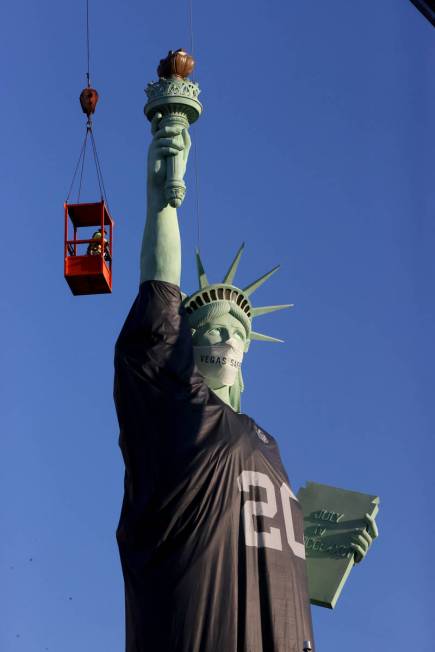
{"x": 210, "y": 533}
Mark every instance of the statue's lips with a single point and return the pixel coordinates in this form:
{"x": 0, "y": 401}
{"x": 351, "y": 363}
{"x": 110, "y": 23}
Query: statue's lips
{"x": 220, "y": 362}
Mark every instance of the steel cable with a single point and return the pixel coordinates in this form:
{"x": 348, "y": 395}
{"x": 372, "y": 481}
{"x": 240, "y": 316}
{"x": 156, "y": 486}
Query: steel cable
{"x": 83, "y": 165}
{"x": 76, "y": 168}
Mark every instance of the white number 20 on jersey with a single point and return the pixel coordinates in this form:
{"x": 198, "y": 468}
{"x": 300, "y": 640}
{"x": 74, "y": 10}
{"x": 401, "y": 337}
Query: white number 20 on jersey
{"x": 272, "y": 538}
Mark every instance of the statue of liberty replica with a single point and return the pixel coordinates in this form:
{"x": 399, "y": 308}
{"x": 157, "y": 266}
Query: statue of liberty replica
{"x": 211, "y": 535}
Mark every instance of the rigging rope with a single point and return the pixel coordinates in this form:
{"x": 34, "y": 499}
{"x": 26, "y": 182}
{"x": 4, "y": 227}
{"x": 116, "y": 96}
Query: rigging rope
{"x": 195, "y": 149}
{"x": 99, "y": 172}
{"x": 83, "y": 165}
{"x": 76, "y": 167}
{"x": 198, "y": 221}
{"x": 190, "y": 12}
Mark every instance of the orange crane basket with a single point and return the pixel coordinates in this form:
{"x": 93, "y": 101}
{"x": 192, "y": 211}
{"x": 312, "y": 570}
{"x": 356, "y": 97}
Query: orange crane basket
{"x": 88, "y": 270}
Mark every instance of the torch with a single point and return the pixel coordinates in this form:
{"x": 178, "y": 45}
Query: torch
{"x": 176, "y": 98}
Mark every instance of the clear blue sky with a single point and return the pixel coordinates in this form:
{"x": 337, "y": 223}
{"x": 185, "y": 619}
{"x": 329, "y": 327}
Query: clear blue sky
{"x": 316, "y": 146}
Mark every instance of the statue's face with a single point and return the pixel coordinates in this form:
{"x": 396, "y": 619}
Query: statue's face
{"x": 220, "y": 331}
{"x": 218, "y": 349}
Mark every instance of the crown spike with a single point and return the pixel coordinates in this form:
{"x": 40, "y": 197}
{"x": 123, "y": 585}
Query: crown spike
{"x": 229, "y": 276}
{"x": 263, "y": 338}
{"x": 256, "y": 284}
{"x": 202, "y": 277}
{"x": 263, "y": 310}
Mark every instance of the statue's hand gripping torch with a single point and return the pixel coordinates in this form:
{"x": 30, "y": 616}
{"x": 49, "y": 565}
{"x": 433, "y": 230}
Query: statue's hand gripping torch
{"x": 176, "y": 98}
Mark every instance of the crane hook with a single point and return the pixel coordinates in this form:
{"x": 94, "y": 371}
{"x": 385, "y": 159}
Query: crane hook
{"x": 88, "y": 100}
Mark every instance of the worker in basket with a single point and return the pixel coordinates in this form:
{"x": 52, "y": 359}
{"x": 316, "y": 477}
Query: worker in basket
{"x": 99, "y": 240}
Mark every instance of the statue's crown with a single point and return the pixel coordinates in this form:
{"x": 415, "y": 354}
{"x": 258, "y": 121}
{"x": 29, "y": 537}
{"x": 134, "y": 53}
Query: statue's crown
{"x": 207, "y": 295}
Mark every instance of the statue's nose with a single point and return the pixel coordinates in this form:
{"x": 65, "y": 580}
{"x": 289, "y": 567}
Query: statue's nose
{"x": 225, "y": 335}
{"x": 234, "y": 343}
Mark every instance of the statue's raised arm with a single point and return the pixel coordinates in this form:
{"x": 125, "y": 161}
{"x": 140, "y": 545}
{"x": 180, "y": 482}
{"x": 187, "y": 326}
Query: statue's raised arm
{"x": 172, "y": 106}
{"x": 161, "y": 249}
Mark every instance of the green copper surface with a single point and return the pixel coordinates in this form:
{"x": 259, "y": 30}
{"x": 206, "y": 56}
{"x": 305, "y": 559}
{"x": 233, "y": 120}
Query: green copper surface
{"x": 264, "y": 310}
{"x": 173, "y": 95}
{"x": 264, "y": 338}
{"x": 202, "y": 277}
{"x": 335, "y": 526}
{"x": 229, "y": 276}
{"x": 250, "y": 289}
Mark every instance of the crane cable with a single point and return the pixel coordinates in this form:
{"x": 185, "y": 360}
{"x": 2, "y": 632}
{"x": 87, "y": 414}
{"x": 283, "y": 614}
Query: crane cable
{"x": 195, "y": 148}
{"x": 89, "y": 133}
{"x": 83, "y": 165}
{"x": 87, "y": 43}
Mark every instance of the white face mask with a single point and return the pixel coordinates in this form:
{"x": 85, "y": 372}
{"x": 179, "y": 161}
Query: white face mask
{"x": 219, "y": 363}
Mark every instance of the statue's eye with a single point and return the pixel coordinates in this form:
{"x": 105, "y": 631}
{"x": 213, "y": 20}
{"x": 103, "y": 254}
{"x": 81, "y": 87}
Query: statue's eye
{"x": 214, "y": 332}
{"x": 238, "y": 335}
